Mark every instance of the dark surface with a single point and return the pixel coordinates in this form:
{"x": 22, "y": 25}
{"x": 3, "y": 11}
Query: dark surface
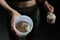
{"x": 46, "y": 31}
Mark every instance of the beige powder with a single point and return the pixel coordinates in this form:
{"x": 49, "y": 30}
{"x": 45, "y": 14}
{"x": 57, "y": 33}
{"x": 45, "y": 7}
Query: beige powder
{"x": 22, "y": 27}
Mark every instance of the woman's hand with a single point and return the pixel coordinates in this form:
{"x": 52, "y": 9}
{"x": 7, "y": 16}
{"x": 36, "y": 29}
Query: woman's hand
{"x": 50, "y": 8}
{"x": 14, "y": 14}
{"x": 51, "y": 17}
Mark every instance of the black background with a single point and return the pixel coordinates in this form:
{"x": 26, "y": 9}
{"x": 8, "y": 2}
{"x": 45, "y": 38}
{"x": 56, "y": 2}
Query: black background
{"x": 46, "y": 32}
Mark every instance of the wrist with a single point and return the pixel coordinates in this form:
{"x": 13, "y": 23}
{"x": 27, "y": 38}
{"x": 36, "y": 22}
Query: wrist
{"x": 12, "y": 11}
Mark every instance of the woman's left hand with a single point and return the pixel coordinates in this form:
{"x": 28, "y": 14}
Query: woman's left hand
{"x": 50, "y": 8}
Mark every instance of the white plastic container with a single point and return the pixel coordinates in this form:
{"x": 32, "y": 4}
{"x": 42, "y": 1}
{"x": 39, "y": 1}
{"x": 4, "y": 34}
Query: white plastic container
{"x": 51, "y": 18}
{"x": 27, "y": 20}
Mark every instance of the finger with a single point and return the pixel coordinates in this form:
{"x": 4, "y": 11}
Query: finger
{"x": 11, "y": 23}
{"x": 48, "y": 5}
{"x": 13, "y": 31}
{"x": 51, "y": 9}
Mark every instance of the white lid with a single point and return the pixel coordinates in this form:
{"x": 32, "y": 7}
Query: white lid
{"x": 51, "y": 16}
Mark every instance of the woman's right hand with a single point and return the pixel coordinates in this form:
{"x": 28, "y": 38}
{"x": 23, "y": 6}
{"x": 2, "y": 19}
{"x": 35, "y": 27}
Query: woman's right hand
{"x": 14, "y": 14}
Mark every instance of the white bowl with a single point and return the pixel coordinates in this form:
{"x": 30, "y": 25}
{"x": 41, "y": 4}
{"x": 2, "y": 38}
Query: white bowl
{"x": 27, "y": 20}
